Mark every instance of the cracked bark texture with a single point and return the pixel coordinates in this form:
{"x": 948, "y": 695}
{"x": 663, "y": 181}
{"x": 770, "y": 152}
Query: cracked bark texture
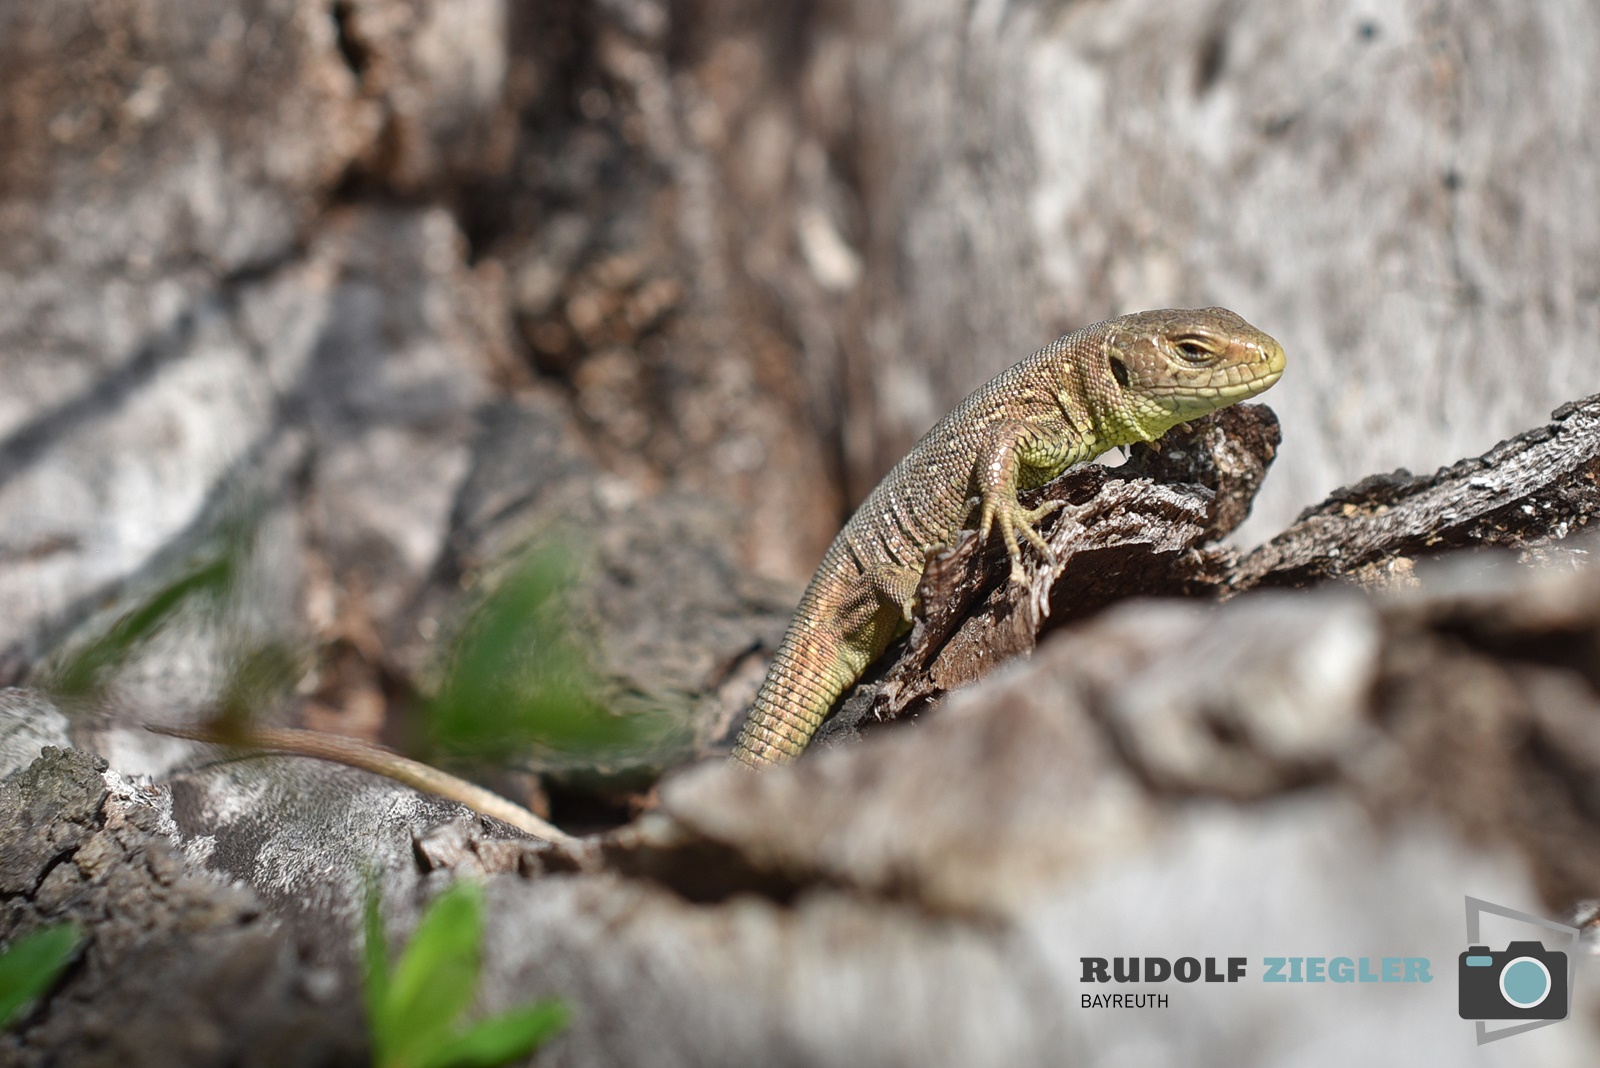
{"x": 179, "y": 967}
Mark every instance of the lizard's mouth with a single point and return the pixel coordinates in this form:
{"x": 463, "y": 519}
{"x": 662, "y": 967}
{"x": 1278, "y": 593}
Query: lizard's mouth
{"x": 1256, "y": 376}
{"x": 1228, "y": 383}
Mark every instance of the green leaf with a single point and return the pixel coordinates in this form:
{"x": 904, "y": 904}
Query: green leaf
{"x": 434, "y": 979}
{"x": 522, "y": 673}
{"x": 29, "y": 967}
{"x": 502, "y": 1039}
{"x": 375, "y": 971}
{"x": 412, "y": 1010}
{"x": 87, "y": 669}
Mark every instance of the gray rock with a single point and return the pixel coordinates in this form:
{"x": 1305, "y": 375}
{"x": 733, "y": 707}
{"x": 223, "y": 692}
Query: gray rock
{"x": 389, "y": 394}
{"x": 437, "y": 71}
{"x": 161, "y": 303}
{"x": 306, "y": 837}
{"x": 28, "y": 723}
{"x": 904, "y": 815}
{"x": 358, "y": 377}
{"x": 101, "y": 493}
{"x": 1243, "y": 705}
{"x": 177, "y": 967}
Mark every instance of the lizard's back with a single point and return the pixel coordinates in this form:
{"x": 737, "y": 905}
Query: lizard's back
{"x": 922, "y": 503}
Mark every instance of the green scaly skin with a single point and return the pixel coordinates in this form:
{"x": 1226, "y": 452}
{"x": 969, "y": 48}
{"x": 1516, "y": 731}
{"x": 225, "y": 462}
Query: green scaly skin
{"x": 1115, "y": 383}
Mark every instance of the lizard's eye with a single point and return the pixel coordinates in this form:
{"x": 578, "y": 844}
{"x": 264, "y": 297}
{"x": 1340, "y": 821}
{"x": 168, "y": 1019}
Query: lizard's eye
{"x": 1119, "y": 371}
{"x": 1194, "y": 350}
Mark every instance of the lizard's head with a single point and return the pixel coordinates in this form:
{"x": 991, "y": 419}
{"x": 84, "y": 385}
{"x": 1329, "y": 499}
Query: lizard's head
{"x": 1175, "y": 365}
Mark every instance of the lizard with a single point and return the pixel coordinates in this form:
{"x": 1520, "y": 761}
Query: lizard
{"x": 1113, "y": 384}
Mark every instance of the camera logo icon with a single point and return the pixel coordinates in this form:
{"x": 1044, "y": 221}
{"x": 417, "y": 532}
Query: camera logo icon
{"x": 1524, "y": 981}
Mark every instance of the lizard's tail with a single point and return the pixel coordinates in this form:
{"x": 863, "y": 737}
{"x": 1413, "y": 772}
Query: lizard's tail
{"x": 790, "y": 706}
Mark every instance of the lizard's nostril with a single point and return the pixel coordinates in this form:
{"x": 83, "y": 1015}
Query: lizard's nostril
{"x": 1273, "y": 352}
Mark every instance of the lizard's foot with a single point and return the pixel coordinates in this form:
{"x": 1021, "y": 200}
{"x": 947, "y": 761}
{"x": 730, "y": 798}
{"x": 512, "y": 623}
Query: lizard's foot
{"x": 896, "y": 585}
{"x": 1013, "y": 519}
{"x": 880, "y": 589}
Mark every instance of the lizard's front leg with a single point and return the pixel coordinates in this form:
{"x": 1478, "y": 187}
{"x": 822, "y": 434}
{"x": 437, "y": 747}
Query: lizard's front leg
{"x": 1012, "y": 449}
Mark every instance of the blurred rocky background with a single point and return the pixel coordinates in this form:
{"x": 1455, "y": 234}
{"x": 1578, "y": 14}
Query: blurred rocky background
{"x": 374, "y": 294}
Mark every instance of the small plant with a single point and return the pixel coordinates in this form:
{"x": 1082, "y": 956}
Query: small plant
{"x": 31, "y": 964}
{"x": 413, "y": 1008}
{"x": 522, "y": 677}
{"x": 210, "y": 591}
{"x": 521, "y": 674}
{"x": 86, "y": 671}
